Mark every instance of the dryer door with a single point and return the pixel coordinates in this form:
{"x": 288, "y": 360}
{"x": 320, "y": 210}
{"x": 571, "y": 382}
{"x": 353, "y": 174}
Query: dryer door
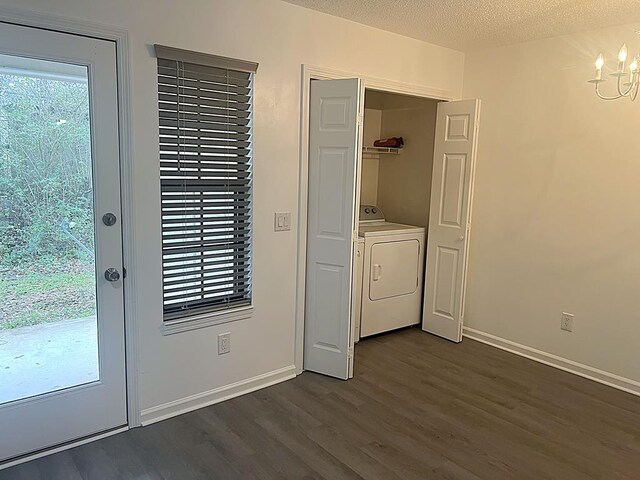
{"x": 394, "y": 269}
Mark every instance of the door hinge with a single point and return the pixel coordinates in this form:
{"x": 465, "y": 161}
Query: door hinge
{"x": 360, "y": 119}
{"x": 350, "y": 353}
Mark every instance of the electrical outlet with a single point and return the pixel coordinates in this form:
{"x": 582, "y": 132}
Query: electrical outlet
{"x": 224, "y": 343}
{"x": 566, "y": 322}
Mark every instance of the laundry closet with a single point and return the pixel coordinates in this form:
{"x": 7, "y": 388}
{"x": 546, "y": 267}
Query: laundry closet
{"x": 387, "y": 222}
{"x": 394, "y": 198}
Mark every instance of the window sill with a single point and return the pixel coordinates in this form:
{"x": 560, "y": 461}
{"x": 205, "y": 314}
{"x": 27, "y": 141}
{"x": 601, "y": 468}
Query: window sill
{"x": 206, "y": 320}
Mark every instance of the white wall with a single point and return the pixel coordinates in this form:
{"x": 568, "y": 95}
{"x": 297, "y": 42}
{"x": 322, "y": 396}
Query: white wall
{"x": 556, "y": 220}
{"x": 281, "y": 37}
{"x": 404, "y": 188}
{"x": 370, "y": 162}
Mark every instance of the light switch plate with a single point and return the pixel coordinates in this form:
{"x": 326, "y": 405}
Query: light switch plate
{"x": 282, "y": 222}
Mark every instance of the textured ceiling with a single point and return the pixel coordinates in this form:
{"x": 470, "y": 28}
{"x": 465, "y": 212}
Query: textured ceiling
{"x": 475, "y": 24}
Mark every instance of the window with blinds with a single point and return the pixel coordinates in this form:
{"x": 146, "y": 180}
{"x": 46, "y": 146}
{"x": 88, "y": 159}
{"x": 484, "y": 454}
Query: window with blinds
{"x": 205, "y": 107}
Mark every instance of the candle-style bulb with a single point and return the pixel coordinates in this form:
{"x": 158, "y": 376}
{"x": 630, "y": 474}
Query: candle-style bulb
{"x": 600, "y": 62}
{"x": 633, "y": 67}
{"x": 622, "y": 55}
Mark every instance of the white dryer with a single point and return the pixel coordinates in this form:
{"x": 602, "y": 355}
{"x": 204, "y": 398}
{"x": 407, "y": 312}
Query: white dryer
{"x": 392, "y": 273}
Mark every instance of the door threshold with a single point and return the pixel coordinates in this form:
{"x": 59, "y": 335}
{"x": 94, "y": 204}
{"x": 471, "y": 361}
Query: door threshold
{"x": 27, "y": 457}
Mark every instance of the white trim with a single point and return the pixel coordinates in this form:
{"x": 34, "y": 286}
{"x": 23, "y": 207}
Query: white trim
{"x": 373, "y": 83}
{"x": 206, "y": 320}
{"x": 30, "y": 18}
{"x": 310, "y": 72}
{"x": 600, "y": 376}
{"x": 217, "y": 395}
{"x": 61, "y": 448}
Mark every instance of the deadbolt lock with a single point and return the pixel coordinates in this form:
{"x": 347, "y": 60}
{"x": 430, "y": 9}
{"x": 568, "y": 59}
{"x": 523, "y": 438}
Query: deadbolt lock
{"x": 109, "y": 219}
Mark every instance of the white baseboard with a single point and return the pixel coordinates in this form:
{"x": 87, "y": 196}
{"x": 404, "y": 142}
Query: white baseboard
{"x": 204, "y": 399}
{"x": 600, "y": 376}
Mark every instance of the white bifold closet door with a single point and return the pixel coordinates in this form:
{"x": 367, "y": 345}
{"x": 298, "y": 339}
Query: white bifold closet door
{"x": 331, "y": 228}
{"x": 450, "y": 218}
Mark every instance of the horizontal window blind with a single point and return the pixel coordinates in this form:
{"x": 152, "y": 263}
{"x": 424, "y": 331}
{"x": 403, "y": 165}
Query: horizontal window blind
{"x": 205, "y": 176}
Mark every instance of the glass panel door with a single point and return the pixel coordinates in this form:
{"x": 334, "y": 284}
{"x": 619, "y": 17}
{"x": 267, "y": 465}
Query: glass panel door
{"x": 62, "y": 370}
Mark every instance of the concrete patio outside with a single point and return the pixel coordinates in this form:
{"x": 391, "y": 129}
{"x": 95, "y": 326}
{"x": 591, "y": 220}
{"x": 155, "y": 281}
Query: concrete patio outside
{"x": 47, "y": 357}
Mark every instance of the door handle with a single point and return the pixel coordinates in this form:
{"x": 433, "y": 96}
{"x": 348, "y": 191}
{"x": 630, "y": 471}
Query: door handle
{"x": 461, "y": 238}
{"x": 111, "y": 275}
{"x": 377, "y": 272}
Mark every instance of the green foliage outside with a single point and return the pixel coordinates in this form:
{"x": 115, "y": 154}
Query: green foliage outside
{"x": 43, "y": 294}
{"x": 45, "y": 180}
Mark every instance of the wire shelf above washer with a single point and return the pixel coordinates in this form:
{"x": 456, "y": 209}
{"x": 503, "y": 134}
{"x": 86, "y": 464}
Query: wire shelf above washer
{"x": 379, "y": 150}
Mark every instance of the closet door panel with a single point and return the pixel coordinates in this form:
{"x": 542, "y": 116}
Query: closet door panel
{"x": 450, "y": 218}
{"x": 333, "y": 156}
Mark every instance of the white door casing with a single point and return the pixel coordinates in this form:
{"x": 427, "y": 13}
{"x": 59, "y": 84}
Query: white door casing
{"x": 450, "y": 218}
{"x": 56, "y": 417}
{"x": 331, "y": 225}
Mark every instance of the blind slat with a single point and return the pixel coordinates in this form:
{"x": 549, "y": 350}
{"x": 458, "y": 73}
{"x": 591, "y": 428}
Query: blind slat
{"x": 190, "y": 291}
{"x": 224, "y": 163}
{"x": 170, "y": 109}
{"x": 207, "y": 270}
{"x": 185, "y": 70}
{"x": 168, "y": 96}
{"x": 184, "y": 140}
{"x": 215, "y": 90}
{"x": 205, "y": 124}
{"x": 199, "y": 280}
{"x": 208, "y": 248}
{"x": 190, "y": 134}
{"x": 169, "y": 263}
{"x": 176, "y": 313}
{"x": 171, "y": 196}
{"x": 189, "y": 223}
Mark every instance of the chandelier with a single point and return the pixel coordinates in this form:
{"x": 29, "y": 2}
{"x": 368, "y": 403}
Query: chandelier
{"x": 627, "y": 82}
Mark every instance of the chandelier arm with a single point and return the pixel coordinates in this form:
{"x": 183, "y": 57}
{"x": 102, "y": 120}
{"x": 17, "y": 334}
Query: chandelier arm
{"x": 632, "y": 85}
{"x": 618, "y": 82}
{"x": 635, "y": 80}
{"x": 604, "y": 97}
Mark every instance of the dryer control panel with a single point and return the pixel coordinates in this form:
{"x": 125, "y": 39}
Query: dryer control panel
{"x": 371, "y": 213}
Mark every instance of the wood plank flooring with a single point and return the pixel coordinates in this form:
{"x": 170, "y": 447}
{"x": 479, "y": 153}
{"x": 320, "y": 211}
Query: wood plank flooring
{"x": 418, "y": 408}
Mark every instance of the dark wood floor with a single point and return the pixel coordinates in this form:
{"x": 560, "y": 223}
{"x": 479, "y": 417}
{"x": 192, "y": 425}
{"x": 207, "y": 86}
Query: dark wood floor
{"x": 418, "y": 408}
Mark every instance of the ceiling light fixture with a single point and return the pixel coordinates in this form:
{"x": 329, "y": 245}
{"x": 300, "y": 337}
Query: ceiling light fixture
{"x": 627, "y": 82}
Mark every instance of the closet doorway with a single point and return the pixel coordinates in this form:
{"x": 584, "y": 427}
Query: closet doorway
{"x": 424, "y": 188}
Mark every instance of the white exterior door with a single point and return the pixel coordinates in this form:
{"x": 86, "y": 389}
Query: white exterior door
{"x": 62, "y": 358}
{"x": 331, "y": 232}
{"x": 450, "y": 218}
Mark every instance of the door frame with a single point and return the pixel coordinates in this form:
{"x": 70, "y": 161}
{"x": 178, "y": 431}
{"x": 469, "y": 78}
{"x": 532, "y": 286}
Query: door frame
{"x": 28, "y": 18}
{"x": 314, "y": 72}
